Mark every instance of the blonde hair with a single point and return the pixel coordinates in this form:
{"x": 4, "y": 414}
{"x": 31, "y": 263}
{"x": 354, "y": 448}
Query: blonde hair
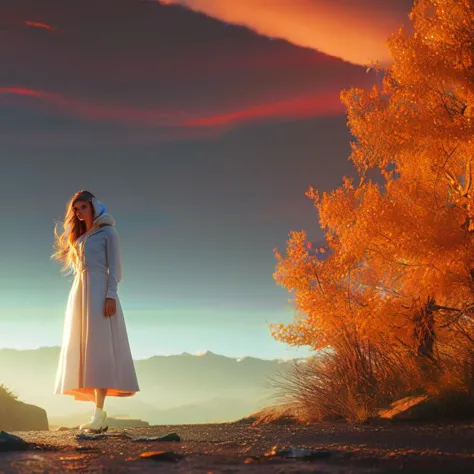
{"x": 65, "y": 251}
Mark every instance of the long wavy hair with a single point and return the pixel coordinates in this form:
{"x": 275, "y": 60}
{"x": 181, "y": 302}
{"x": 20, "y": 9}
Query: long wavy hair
{"x": 65, "y": 251}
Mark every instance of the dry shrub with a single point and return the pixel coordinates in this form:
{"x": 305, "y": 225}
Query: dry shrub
{"x": 352, "y": 381}
{"x": 5, "y": 392}
{"x": 456, "y": 356}
{"x": 355, "y": 379}
{"x": 453, "y": 390}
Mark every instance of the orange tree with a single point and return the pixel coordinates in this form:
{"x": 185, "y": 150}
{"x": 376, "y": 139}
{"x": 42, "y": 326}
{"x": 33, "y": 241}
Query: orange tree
{"x": 400, "y": 260}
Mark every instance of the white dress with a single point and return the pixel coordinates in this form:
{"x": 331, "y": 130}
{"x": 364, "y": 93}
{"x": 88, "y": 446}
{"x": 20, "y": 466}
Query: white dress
{"x": 95, "y": 351}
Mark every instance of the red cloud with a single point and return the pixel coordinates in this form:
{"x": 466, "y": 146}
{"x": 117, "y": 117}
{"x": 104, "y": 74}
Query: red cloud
{"x": 353, "y": 31}
{"x": 320, "y": 104}
{"x": 101, "y": 75}
{"x": 37, "y": 24}
{"x": 92, "y": 111}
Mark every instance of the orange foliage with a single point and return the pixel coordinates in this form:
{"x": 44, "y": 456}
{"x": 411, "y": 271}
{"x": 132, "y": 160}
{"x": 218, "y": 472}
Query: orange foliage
{"x": 400, "y": 254}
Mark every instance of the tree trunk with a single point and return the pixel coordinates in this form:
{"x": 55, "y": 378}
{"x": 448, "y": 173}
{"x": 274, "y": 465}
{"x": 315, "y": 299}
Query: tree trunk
{"x": 424, "y": 337}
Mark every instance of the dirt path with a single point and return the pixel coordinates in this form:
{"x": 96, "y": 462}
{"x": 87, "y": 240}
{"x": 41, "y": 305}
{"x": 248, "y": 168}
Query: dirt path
{"x": 234, "y": 448}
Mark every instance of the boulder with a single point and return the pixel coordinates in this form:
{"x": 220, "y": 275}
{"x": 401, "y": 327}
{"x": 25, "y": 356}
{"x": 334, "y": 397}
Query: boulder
{"x": 449, "y": 406}
{"x": 10, "y": 442}
{"x": 19, "y": 416}
{"x": 407, "y": 408}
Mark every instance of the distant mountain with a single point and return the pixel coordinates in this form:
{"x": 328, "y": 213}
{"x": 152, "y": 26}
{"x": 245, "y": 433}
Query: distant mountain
{"x": 180, "y": 388}
{"x": 206, "y": 371}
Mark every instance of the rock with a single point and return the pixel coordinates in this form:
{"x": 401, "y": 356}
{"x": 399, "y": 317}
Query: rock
{"x": 404, "y": 409}
{"x": 272, "y": 452}
{"x": 168, "y": 456}
{"x": 171, "y": 437}
{"x": 450, "y": 405}
{"x": 307, "y": 454}
{"x": 298, "y": 453}
{"x": 9, "y": 442}
{"x": 18, "y": 416}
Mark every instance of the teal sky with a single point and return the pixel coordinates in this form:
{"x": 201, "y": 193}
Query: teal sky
{"x": 198, "y": 261}
{"x": 200, "y": 136}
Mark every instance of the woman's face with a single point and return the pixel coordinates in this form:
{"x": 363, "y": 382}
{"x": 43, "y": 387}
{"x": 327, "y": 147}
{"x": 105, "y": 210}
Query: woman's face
{"x": 83, "y": 210}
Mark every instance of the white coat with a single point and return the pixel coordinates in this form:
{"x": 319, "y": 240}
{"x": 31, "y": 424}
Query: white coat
{"x": 95, "y": 351}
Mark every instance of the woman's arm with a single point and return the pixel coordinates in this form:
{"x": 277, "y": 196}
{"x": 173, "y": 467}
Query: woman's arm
{"x": 114, "y": 262}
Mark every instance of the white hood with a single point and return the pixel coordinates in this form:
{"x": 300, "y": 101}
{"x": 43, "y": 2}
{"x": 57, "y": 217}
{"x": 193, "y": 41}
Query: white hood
{"x": 102, "y": 217}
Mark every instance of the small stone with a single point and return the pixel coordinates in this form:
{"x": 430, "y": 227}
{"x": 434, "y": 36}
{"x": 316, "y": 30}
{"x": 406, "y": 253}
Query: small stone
{"x": 315, "y": 455}
{"x": 272, "y": 451}
{"x": 9, "y": 442}
{"x": 167, "y": 456}
{"x": 171, "y": 437}
{"x": 407, "y": 408}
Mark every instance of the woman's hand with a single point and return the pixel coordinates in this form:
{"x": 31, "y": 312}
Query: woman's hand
{"x": 110, "y": 307}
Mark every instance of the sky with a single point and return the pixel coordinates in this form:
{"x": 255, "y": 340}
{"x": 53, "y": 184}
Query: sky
{"x": 200, "y": 124}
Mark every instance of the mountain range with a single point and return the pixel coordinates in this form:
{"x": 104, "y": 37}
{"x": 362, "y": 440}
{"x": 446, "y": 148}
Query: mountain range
{"x": 175, "y": 389}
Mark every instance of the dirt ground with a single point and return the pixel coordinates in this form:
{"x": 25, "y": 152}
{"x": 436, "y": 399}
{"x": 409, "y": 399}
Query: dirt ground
{"x": 240, "y": 448}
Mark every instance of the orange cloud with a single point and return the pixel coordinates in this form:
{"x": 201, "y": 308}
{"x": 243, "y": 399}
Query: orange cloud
{"x": 353, "y": 31}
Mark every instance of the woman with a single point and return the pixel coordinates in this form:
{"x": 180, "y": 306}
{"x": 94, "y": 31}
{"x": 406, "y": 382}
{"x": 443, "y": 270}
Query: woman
{"x": 95, "y": 358}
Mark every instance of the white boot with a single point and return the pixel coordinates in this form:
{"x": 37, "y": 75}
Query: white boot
{"x": 97, "y": 423}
